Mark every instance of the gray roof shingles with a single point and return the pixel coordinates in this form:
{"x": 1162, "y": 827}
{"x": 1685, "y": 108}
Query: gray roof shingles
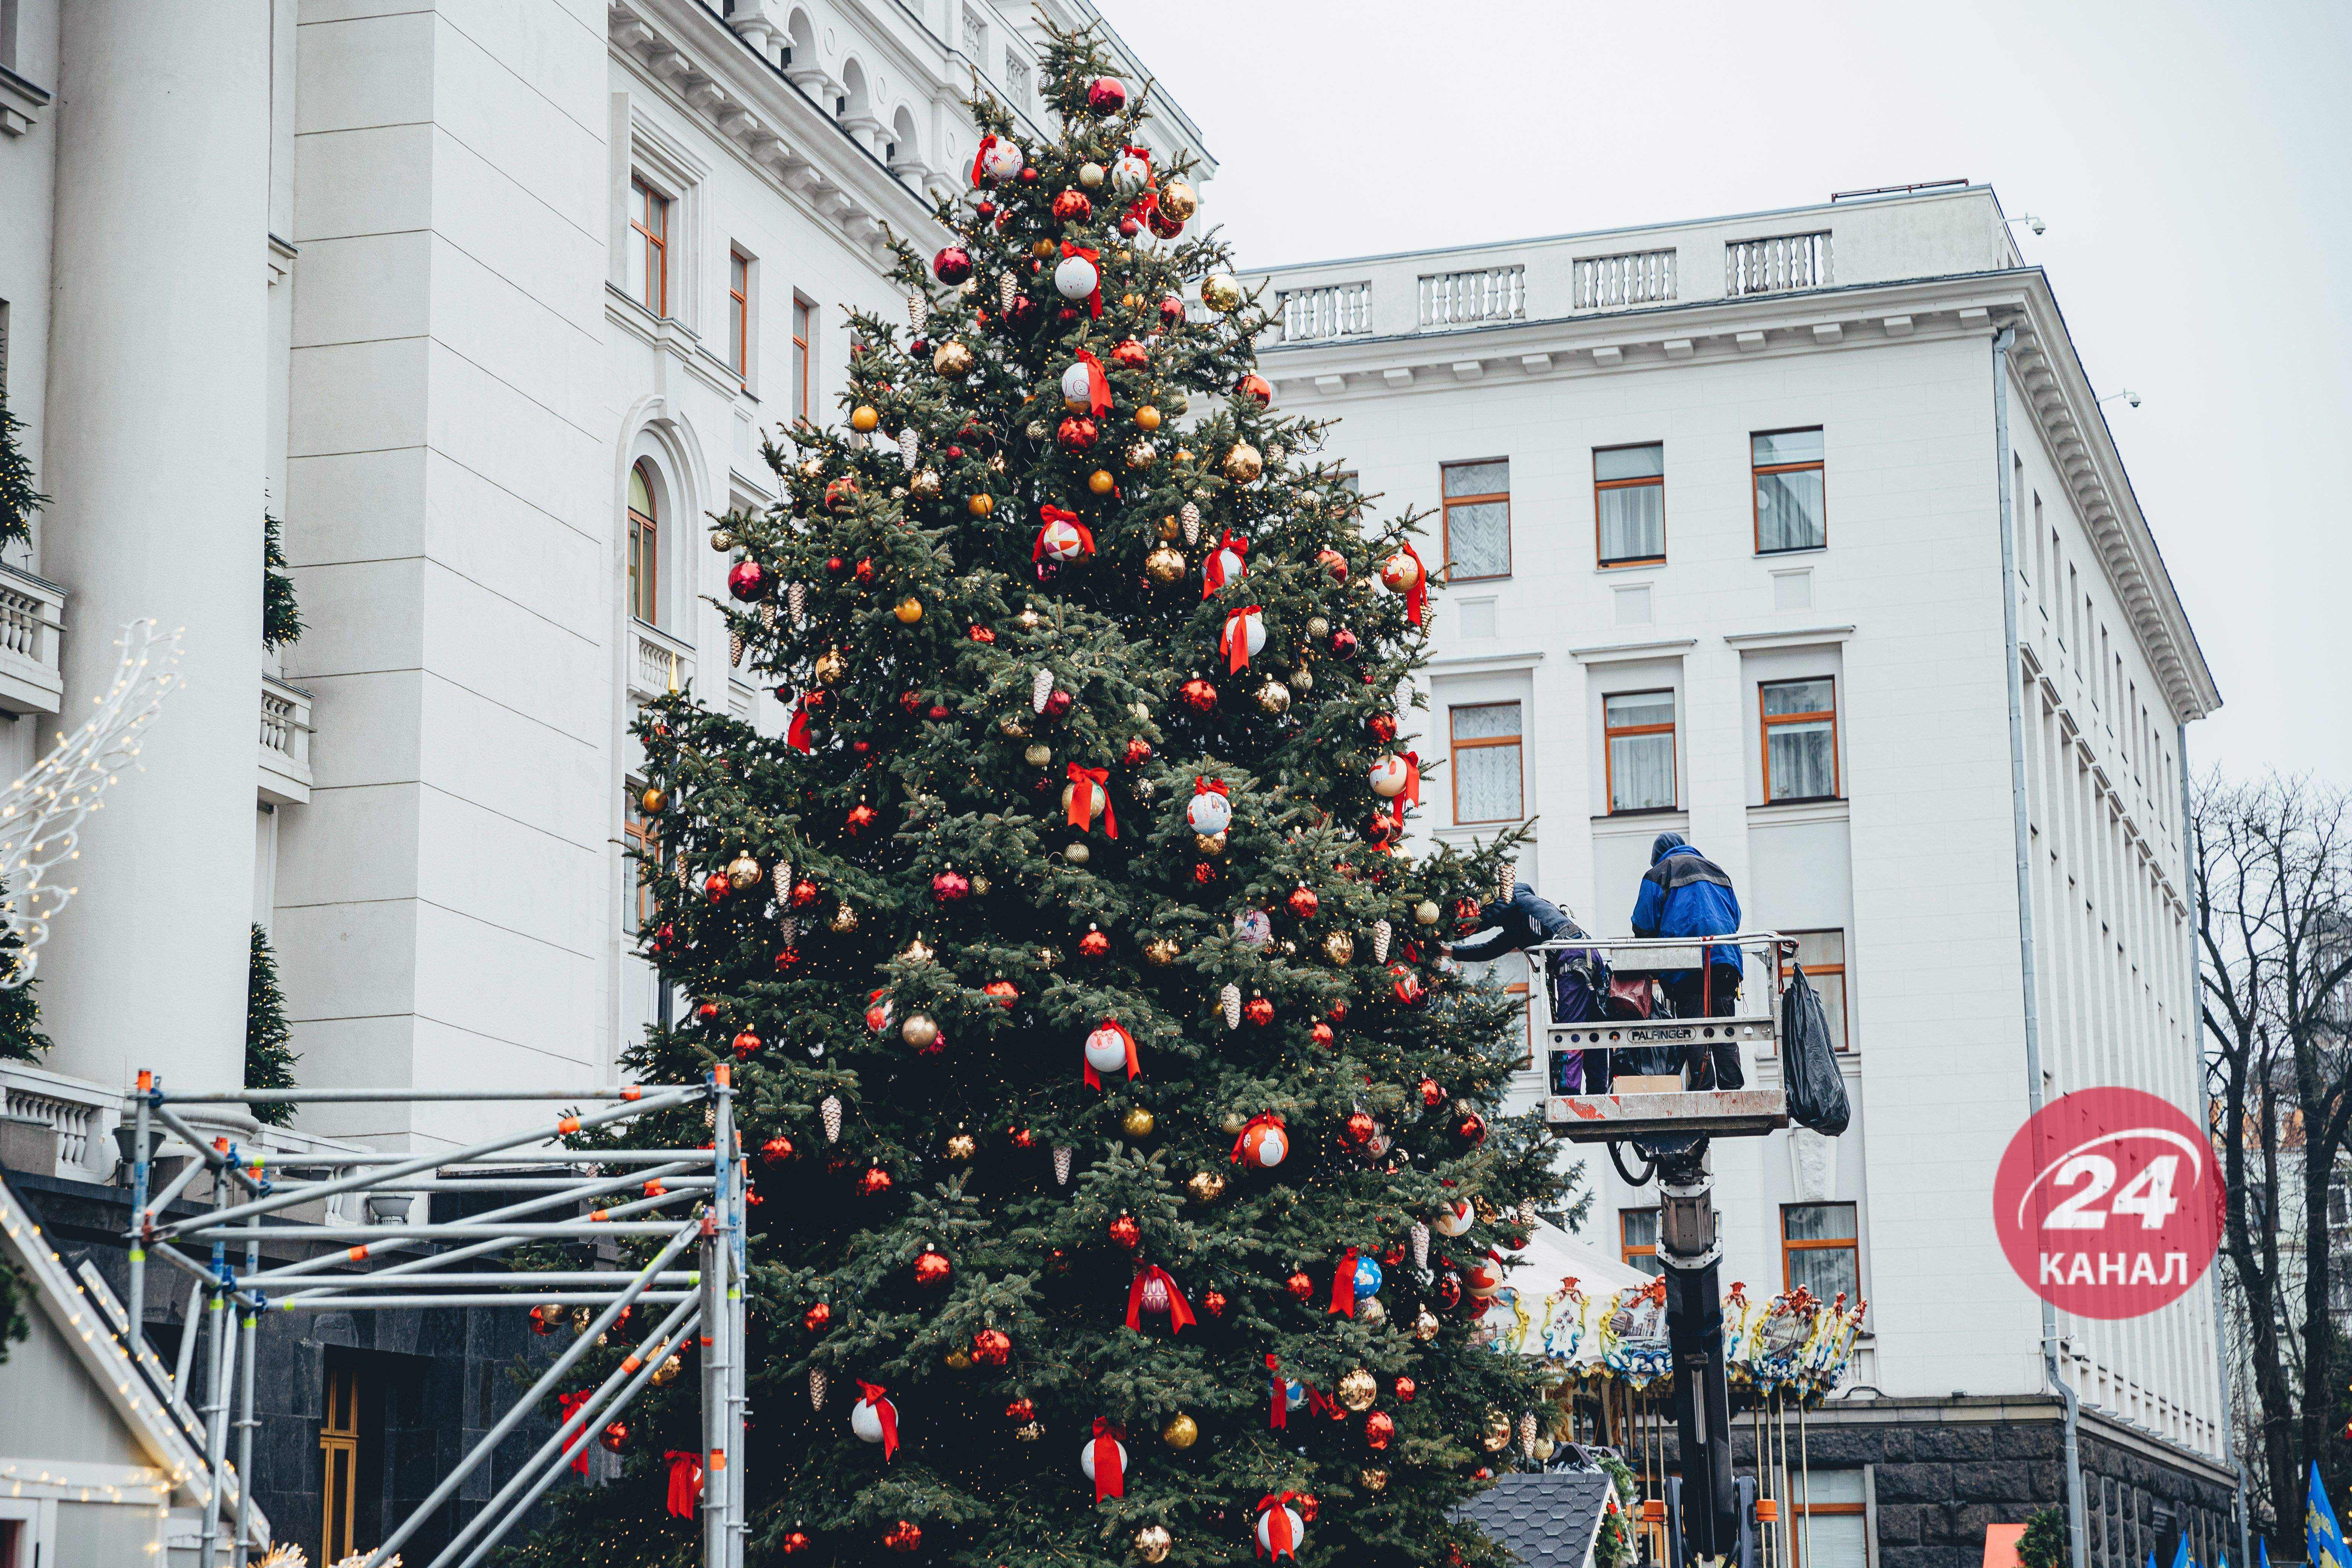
{"x": 1546, "y": 1519}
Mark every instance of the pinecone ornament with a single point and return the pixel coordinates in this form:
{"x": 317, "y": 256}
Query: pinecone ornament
{"x": 1007, "y": 291}
{"x": 735, "y": 649}
{"x": 782, "y": 882}
{"x": 788, "y": 930}
{"x": 796, "y": 597}
{"x": 1528, "y": 1434}
{"x": 1041, "y": 687}
{"x": 915, "y": 308}
{"x": 1381, "y": 932}
{"x": 768, "y": 614}
{"x": 1506, "y": 880}
{"x": 1230, "y": 999}
{"x": 817, "y": 1388}
{"x": 828, "y": 1111}
{"x": 907, "y": 448}
{"x": 1191, "y": 516}
{"x": 1420, "y": 1247}
{"x": 1061, "y": 1154}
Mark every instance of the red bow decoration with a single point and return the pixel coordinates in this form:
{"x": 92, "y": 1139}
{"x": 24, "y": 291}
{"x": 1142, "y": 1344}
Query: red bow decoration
{"x": 1211, "y": 786}
{"x": 1049, "y": 515}
{"x": 1116, "y": 1027}
{"x": 1411, "y": 794}
{"x": 1084, "y": 783}
{"x": 1108, "y": 1481}
{"x": 1323, "y": 1404}
{"x": 798, "y": 735}
{"x": 1212, "y": 575}
{"x": 1094, "y": 300}
{"x": 685, "y": 1482}
{"x": 1416, "y": 598}
{"x": 887, "y": 1411}
{"x": 1142, "y": 153}
{"x": 1280, "y": 1416}
{"x": 1143, "y": 208}
{"x": 1343, "y": 1284}
{"x": 1097, "y": 384}
{"x": 1262, "y": 1118}
{"x": 1179, "y": 1311}
{"x": 569, "y": 1404}
{"x": 1279, "y": 1543}
{"x": 1234, "y": 643}
{"x": 980, "y": 159}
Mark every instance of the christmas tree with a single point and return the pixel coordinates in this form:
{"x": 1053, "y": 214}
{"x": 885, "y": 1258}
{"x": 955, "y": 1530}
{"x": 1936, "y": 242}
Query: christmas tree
{"x": 270, "y": 1055}
{"x": 1125, "y": 1150}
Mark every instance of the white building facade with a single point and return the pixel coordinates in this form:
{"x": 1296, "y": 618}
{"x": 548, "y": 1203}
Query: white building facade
{"x": 1721, "y": 509}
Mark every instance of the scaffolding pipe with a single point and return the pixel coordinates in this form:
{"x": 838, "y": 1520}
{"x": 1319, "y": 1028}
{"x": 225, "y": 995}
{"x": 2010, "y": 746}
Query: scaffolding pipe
{"x": 191, "y": 1328}
{"x": 569, "y": 1124}
{"x": 557, "y": 1452}
{"x": 584, "y": 1230}
{"x": 489, "y": 1440}
{"x": 246, "y": 1421}
{"x": 572, "y": 1278}
{"x": 139, "y": 1167}
{"x": 567, "y": 1298}
{"x": 540, "y": 1184}
{"x": 371, "y": 1096}
{"x": 216, "y": 1408}
{"x": 283, "y": 1160}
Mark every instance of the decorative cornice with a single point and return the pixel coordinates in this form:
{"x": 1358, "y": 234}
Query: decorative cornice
{"x": 1625, "y": 652}
{"x": 1801, "y": 636}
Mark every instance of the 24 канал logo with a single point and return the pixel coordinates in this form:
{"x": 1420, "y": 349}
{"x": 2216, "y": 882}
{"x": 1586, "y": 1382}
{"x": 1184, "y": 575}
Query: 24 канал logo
{"x": 2108, "y": 1203}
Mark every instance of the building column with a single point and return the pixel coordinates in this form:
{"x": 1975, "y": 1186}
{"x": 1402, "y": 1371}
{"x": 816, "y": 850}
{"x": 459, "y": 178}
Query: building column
{"x": 155, "y": 457}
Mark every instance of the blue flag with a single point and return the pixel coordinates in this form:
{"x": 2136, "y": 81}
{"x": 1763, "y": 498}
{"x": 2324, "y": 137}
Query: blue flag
{"x": 2180, "y": 1558}
{"x": 2262, "y": 1548}
{"x": 2323, "y": 1538}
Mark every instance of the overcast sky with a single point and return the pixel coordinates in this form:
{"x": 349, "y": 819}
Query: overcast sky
{"x": 2189, "y": 161}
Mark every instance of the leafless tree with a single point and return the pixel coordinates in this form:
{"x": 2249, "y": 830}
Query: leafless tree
{"x": 2274, "y": 927}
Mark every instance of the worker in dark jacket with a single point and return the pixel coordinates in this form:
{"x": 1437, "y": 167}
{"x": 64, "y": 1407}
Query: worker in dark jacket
{"x": 1685, "y": 894}
{"x": 1520, "y": 921}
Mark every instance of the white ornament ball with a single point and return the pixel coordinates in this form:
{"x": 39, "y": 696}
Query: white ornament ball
{"x": 1455, "y": 1220}
{"x": 1090, "y": 175}
{"x": 1482, "y": 1276}
{"x": 1254, "y": 634}
{"x": 1130, "y": 174}
{"x": 1210, "y": 813}
{"x": 1389, "y": 776}
{"x": 1106, "y": 1052}
{"x": 866, "y": 1420}
{"x": 1266, "y": 1529}
{"x": 1076, "y": 278}
{"x": 1001, "y": 161}
{"x": 1086, "y": 1460}
{"x": 1078, "y": 388}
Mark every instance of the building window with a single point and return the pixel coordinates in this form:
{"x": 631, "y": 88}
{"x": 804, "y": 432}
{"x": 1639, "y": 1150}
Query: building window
{"x": 1486, "y": 756}
{"x": 1822, "y": 954}
{"x": 1637, "y": 1231}
{"x": 339, "y": 1448}
{"x": 739, "y": 315}
{"x": 644, "y": 547}
{"x": 1791, "y": 514}
{"x": 1629, "y": 502}
{"x": 1800, "y": 738}
{"x": 644, "y": 835}
{"x": 1478, "y": 502}
{"x": 804, "y": 330}
{"x": 649, "y": 251}
{"x": 1818, "y": 1250}
{"x": 1827, "y": 1520}
{"x": 1639, "y": 728}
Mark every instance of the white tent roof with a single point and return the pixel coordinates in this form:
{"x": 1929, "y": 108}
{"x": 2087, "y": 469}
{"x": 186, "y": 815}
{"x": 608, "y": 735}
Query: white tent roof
{"x": 1552, "y": 1254}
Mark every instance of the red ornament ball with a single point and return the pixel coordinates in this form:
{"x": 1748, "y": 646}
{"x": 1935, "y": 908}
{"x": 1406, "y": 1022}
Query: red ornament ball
{"x": 1058, "y": 703}
{"x": 837, "y": 565}
{"x": 861, "y": 817}
{"x": 865, "y": 572}
{"x": 949, "y": 887}
{"x": 1332, "y": 561}
{"x": 1003, "y": 992}
{"x": 1379, "y": 1427}
{"x": 1255, "y": 387}
{"x": 615, "y": 1438}
{"x": 1303, "y": 903}
{"x": 1472, "y": 1128}
{"x": 1466, "y": 918}
{"x": 1131, "y": 354}
{"x": 1213, "y": 1303}
{"x": 1076, "y": 433}
{"x": 1138, "y": 752}
{"x": 1258, "y": 1011}
{"x": 1093, "y": 945}
{"x": 931, "y": 1269}
{"x": 776, "y": 1150}
{"x": 1299, "y": 1286}
{"x": 1021, "y": 1410}
{"x": 1072, "y": 207}
{"x": 745, "y": 1044}
{"x": 873, "y": 1181}
{"x": 1322, "y": 1034}
{"x": 804, "y": 893}
{"x": 991, "y": 1347}
{"x": 706, "y": 1012}
{"x": 1126, "y": 1232}
{"x": 544, "y": 1318}
{"x": 837, "y": 493}
{"x": 715, "y": 885}
{"x": 1361, "y": 1128}
{"x": 1406, "y": 1388}
{"x": 746, "y": 581}
{"x": 903, "y": 1536}
{"x": 795, "y": 1540}
{"x": 1106, "y": 95}
{"x": 815, "y": 1319}
{"x": 1172, "y": 311}
{"x": 910, "y": 700}
{"x": 952, "y": 265}
{"x": 1343, "y": 642}
{"x": 1382, "y": 726}
{"x": 1449, "y": 1290}
{"x": 1338, "y": 1013}
{"x": 1198, "y": 695}
{"x": 1433, "y": 1093}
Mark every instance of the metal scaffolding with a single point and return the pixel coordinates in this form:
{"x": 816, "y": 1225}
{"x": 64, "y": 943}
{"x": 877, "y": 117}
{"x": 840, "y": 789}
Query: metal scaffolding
{"x": 705, "y": 1301}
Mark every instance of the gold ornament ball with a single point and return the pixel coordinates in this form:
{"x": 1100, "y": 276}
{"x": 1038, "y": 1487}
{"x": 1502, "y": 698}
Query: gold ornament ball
{"x": 1043, "y": 249}
{"x": 1101, "y": 482}
{"x": 742, "y": 871}
{"x": 721, "y": 540}
{"x": 1142, "y": 455}
{"x": 1169, "y": 528}
{"x": 1425, "y": 912}
{"x": 1340, "y": 947}
{"x": 953, "y": 357}
{"x": 1152, "y": 1543}
{"x": 1358, "y": 1389}
{"x": 909, "y": 611}
{"x": 1040, "y": 755}
{"x": 1162, "y": 950}
{"x": 1069, "y": 790}
{"x": 1181, "y": 1431}
{"x": 1011, "y": 724}
{"x": 1234, "y": 1122}
{"x": 1317, "y": 627}
{"x": 1302, "y": 679}
{"x": 1209, "y": 843}
{"x": 1164, "y": 565}
{"x": 830, "y": 667}
{"x": 1207, "y": 1187}
{"x": 979, "y": 886}
{"x": 1030, "y": 1431}
{"x": 920, "y": 1031}
{"x": 1140, "y": 1122}
{"x": 1177, "y": 200}
{"x": 654, "y": 802}
{"x": 960, "y": 1359}
{"x": 845, "y": 920}
{"x": 1078, "y": 854}
{"x": 925, "y": 484}
{"x": 1498, "y": 1435}
{"x": 979, "y": 506}
{"x": 812, "y": 467}
{"x": 1147, "y": 417}
{"x": 666, "y": 1373}
{"x": 1425, "y": 1325}
{"x": 1243, "y": 464}
{"x": 1373, "y": 1478}
{"x": 1274, "y": 696}
{"x": 1370, "y": 1313}
{"x": 963, "y": 1146}
{"x": 1029, "y": 619}
{"x": 1221, "y": 291}
{"x": 863, "y": 419}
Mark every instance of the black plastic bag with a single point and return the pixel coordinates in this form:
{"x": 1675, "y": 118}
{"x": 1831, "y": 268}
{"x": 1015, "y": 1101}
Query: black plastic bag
{"x": 1816, "y": 1089}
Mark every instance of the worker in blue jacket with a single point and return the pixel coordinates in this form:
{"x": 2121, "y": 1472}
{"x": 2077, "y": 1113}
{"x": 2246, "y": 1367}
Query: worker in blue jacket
{"x": 1685, "y": 894}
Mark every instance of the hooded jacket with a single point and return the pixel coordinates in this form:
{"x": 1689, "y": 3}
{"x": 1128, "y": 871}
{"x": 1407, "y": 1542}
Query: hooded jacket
{"x": 1523, "y": 920}
{"x": 1684, "y": 893}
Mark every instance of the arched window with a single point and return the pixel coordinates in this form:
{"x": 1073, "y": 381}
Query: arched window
{"x": 645, "y": 553}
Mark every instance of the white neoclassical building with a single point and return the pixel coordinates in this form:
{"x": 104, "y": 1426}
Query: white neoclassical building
{"x": 493, "y": 307}
{"x": 1724, "y": 505}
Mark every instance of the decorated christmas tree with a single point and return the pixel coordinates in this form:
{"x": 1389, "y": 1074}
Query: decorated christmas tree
{"x": 1126, "y": 1159}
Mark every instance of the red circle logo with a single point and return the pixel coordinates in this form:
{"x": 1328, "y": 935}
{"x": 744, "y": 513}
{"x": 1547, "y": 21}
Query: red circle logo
{"x": 2108, "y": 1203}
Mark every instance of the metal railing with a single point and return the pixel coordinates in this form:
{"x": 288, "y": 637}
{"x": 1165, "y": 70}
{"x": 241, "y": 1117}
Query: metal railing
{"x": 1776, "y": 265}
{"x": 1635, "y": 277}
{"x": 1451, "y": 300}
{"x": 1326, "y": 310}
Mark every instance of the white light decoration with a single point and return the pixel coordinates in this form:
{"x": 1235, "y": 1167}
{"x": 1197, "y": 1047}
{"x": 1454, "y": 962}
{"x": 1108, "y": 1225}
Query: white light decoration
{"x": 41, "y": 814}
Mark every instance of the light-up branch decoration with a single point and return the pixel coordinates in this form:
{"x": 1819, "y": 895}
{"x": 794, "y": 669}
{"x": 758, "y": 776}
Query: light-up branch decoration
{"x": 41, "y": 814}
